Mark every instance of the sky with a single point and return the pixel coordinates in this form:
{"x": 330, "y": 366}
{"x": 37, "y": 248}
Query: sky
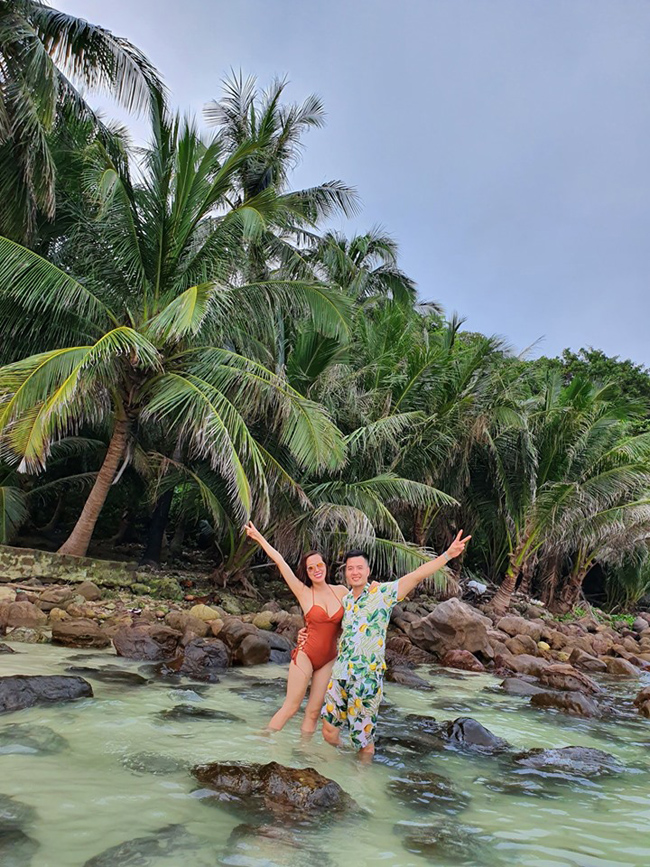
{"x": 503, "y": 143}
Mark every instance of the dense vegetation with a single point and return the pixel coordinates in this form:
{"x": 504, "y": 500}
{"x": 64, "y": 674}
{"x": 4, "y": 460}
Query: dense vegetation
{"x": 186, "y": 344}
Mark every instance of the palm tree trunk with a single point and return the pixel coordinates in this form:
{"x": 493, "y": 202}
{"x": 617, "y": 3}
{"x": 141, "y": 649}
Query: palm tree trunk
{"x": 501, "y": 599}
{"x": 569, "y": 594}
{"x": 157, "y": 526}
{"x": 78, "y": 541}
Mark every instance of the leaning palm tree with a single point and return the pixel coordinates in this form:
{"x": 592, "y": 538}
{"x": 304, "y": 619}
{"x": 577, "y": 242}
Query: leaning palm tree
{"x": 140, "y": 311}
{"x": 44, "y": 55}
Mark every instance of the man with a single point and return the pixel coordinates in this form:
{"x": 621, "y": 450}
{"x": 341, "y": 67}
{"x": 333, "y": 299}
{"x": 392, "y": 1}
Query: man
{"x": 354, "y": 693}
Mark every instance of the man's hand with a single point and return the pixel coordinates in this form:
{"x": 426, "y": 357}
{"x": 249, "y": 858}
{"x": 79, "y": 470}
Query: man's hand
{"x": 302, "y": 638}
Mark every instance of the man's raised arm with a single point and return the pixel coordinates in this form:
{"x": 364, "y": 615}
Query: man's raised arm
{"x": 410, "y": 582}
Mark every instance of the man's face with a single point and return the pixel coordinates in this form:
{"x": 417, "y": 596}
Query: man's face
{"x": 357, "y": 572}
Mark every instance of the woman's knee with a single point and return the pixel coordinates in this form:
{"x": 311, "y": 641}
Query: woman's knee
{"x": 312, "y": 714}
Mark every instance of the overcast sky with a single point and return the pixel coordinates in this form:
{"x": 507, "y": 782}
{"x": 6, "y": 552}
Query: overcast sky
{"x": 504, "y": 143}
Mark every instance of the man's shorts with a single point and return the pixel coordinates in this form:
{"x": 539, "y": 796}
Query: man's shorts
{"x": 354, "y": 702}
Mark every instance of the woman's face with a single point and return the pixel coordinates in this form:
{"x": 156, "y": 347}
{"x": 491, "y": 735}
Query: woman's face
{"x": 316, "y": 569}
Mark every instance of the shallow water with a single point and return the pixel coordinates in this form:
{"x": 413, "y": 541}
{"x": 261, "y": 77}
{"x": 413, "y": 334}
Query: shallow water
{"x": 124, "y": 775}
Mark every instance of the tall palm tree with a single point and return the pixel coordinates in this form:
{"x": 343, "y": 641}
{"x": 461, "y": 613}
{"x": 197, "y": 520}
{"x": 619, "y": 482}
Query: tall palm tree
{"x": 140, "y": 311}
{"x": 44, "y": 56}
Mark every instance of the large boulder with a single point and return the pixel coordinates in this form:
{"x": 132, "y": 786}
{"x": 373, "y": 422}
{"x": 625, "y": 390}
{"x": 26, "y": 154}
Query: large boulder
{"x": 462, "y": 659}
{"x": 22, "y": 614}
{"x": 275, "y": 788}
{"x": 200, "y": 659}
{"x": 616, "y": 665}
{"x": 253, "y": 650}
{"x": 79, "y": 633}
{"x": 452, "y": 625}
{"x": 21, "y": 691}
{"x": 574, "y": 703}
{"x": 147, "y": 641}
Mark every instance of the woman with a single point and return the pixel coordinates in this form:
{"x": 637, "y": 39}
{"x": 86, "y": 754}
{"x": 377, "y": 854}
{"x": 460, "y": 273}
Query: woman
{"x": 313, "y": 660}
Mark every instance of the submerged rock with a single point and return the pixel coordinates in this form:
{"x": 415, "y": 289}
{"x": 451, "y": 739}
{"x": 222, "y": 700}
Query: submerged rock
{"x": 154, "y": 763}
{"x": 22, "y": 738}
{"x": 447, "y": 843}
{"x": 172, "y": 841}
{"x": 16, "y": 848}
{"x": 189, "y": 711}
{"x": 271, "y": 845}
{"x": 274, "y": 787}
{"x": 570, "y": 762}
{"x": 20, "y": 691}
{"x": 110, "y": 674}
{"x": 14, "y": 814}
{"x": 428, "y": 791}
{"x": 4, "y": 648}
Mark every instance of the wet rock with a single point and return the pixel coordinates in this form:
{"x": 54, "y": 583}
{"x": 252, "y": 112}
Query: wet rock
{"x": 620, "y": 666}
{"x": 513, "y": 625}
{"x": 515, "y": 686}
{"x": 447, "y": 843}
{"x": 89, "y": 591}
{"x": 21, "y": 614}
{"x": 201, "y": 659}
{"x": 524, "y": 664}
{"x": 461, "y": 659}
{"x": 79, "y": 633}
{"x": 574, "y": 703}
{"x": 267, "y": 691}
{"x": 527, "y": 785}
{"x": 402, "y": 652}
{"x": 172, "y": 841}
{"x": 190, "y": 712}
{"x": 470, "y": 734}
{"x": 566, "y": 677}
{"x": 109, "y": 674}
{"x": 16, "y": 848}
{"x": 151, "y": 641}
{"x": 406, "y": 677}
{"x": 642, "y": 701}
{"x": 253, "y": 650}
{"x": 272, "y": 846}
{"x": 154, "y": 763}
{"x": 21, "y": 691}
{"x": 428, "y": 791}
{"x": 278, "y": 789}
{"x": 25, "y": 635}
{"x": 452, "y": 625}
{"x": 25, "y": 739}
{"x": 279, "y": 645}
{"x": 14, "y": 814}
{"x": 187, "y": 694}
{"x": 585, "y": 661}
{"x": 4, "y": 648}
{"x": 569, "y": 762}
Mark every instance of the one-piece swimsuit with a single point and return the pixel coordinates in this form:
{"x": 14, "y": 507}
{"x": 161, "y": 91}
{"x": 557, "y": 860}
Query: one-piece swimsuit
{"x": 322, "y": 634}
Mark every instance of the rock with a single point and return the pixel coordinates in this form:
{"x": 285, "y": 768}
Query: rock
{"x": 16, "y": 848}
{"x": 522, "y": 644}
{"x": 254, "y": 845}
{"x": 21, "y": 691}
{"x": 22, "y": 614}
{"x": 14, "y": 814}
{"x": 406, "y": 677}
{"x": 172, "y": 841}
{"x": 451, "y": 625}
{"x": 23, "y": 739}
{"x": 153, "y": 763}
{"x": 235, "y": 630}
{"x": 4, "y": 648}
{"x": 462, "y": 659}
{"x": 470, "y": 734}
{"x": 263, "y": 620}
{"x": 253, "y": 650}
{"x": 79, "y": 633}
{"x": 400, "y": 652}
{"x": 642, "y": 696}
{"x": 445, "y": 844}
{"x": 183, "y": 621}
{"x": 7, "y": 595}
{"x": 185, "y": 712}
{"x": 201, "y": 659}
{"x": 109, "y": 674}
{"x": 55, "y": 597}
{"x": 644, "y": 709}
{"x": 544, "y": 646}
{"x": 585, "y": 661}
{"x": 205, "y": 613}
{"x": 428, "y": 791}
{"x": 566, "y": 677}
{"x": 215, "y": 627}
{"x": 514, "y": 686}
{"x": 29, "y": 636}
{"x": 570, "y": 762}
{"x": 556, "y": 639}
{"x": 89, "y": 591}
{"x": 620, "y": 666}
{"x": 152, "y": 642}
{"x": 513, "y": 626}
{"x": 57, "y": 614}
{"x": 574, "y": 703}
{"x": 526, "y": 664}
{"x": 278, "y": 789}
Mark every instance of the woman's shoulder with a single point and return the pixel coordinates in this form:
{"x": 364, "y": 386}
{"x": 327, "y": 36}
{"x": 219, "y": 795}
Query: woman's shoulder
{"x": 339, "y": 590}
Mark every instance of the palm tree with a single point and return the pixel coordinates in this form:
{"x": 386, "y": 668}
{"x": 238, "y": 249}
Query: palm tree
{"x": 43, "y": 53}
{"x": 141, "y": 310}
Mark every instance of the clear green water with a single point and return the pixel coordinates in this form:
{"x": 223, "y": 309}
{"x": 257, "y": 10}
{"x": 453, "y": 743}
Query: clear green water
{"x": 94, "y": 794}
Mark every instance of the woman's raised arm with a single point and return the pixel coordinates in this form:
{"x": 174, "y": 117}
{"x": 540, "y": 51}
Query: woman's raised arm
{"x": 295, "y": 584}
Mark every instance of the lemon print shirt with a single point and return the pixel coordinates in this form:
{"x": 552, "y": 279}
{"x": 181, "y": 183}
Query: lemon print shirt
{"x": 362, "y": 645}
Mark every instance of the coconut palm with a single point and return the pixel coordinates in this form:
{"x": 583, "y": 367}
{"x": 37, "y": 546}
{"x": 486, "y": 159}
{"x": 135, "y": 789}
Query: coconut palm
{"x": 44, "y": 54}
{"x": 140, "y": 312}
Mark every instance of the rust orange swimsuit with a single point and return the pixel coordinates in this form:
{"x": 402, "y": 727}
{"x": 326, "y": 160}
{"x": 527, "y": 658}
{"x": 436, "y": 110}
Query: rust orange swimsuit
{"x": 322, "y": 634}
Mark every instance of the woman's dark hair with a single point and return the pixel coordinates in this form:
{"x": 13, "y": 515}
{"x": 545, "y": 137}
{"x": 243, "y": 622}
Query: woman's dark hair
{"x": 355, "y": 553}
{"x": 302, "y": 567}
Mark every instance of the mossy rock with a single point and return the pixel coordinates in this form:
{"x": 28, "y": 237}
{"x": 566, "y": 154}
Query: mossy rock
{"x": 139, "y": 589}
{"x": 163, "y": 587}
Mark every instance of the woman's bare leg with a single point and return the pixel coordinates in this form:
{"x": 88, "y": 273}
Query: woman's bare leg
{"x": 319, "y": 680}
{"x": 300, "y": 671}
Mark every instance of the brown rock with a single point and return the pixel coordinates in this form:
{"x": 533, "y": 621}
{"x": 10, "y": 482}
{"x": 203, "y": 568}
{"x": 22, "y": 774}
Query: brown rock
{"x": 150, "y": 642}
{"x": 643, "y": 696}
{"x": 81, "y": 609}
{"x": 522, "y": 644}
{"x": 79, "y": 633}
{"x": 574, "y": 703}
{"x": 253, "y": 650}
{"x": 55, "y": 597}
{"x": 556, "y": 639}
{"x": 513, "y": 625}
{"x": 7, "y": 595}
{"x": 452, "y": 625}
{"x": 402, "y": 652}
{"x": 183, "y": 621}
{"x": 461, "y": 659}
{"x": 24, "y": 634}
{"x": 58, "y": 614}
{"x": 516, "y": 686}
{"x": 585, "y": 662}
{"x": 565, "y": 677}
{"x": 201, "y": 659}
{"x": 526, "y": 664}
{"x": 205, "y": 613}
{"x": 235, "y": 630}
{"x": 22, "y": 614}
{"x": 615, "y": 665}
{"x": 215, "y": 627}
{"x": 89, "y": 591}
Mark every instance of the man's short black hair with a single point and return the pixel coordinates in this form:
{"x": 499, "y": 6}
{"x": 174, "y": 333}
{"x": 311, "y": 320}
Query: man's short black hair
{"x": 355, "y": 553}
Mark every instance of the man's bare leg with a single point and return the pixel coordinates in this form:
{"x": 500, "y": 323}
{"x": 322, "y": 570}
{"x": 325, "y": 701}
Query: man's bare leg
{"x": 331, "y": 734}
{"x": 366, "y": 754}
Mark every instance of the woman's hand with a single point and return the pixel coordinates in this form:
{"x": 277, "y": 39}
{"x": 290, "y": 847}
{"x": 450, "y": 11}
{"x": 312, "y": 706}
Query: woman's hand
{"x": 457, "y": 546}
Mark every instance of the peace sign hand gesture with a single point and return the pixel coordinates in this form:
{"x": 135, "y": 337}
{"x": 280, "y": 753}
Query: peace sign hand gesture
{"x": 457, "y": 546}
